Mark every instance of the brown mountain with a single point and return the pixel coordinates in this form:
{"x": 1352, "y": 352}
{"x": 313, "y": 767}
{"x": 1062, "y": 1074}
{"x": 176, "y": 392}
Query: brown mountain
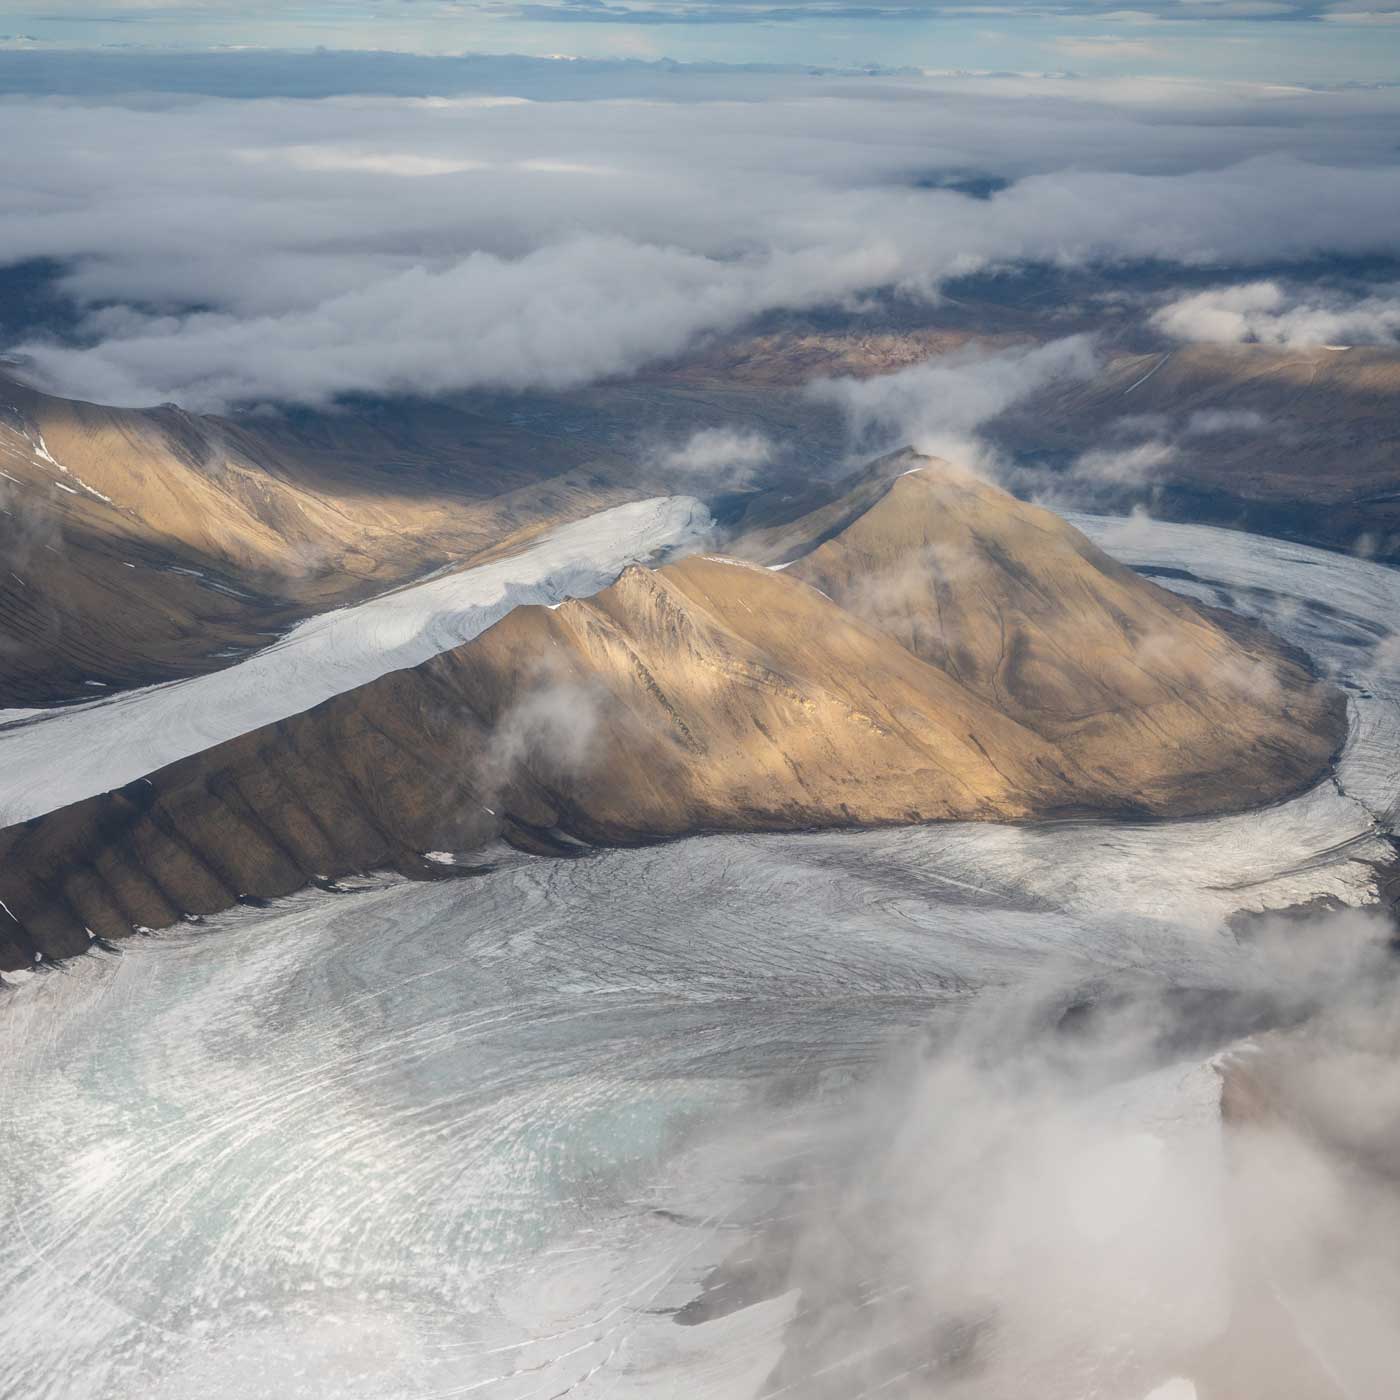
{"x": 977, "y": 659}
{"x": 140, "y": 545}
{"x": 1142, "y": 690}
{"x": 1297, "y": 442}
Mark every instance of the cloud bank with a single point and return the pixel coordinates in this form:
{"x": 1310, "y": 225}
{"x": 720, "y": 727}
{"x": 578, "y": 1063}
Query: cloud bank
{"x": 1044, "y": 1199}
{"x": 1267, "y": 314}
{"x": 229, "y": 253}
{"x": 938, "y": 406}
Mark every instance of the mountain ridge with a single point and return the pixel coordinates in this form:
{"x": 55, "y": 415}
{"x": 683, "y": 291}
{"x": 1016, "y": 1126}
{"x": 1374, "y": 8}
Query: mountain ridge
{"x": 710, "y": 694}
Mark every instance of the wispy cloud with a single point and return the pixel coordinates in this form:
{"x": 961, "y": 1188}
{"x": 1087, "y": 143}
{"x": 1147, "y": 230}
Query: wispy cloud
{"x": 714, "y": 457}
{"x": 1106, "y": 46}
{"x": 938, "y": 406}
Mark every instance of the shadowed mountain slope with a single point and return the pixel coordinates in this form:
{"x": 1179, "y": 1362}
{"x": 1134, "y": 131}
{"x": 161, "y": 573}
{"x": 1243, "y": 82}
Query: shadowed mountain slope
{"x": 1295, "y": 442}
{"x": 710, "y": 695}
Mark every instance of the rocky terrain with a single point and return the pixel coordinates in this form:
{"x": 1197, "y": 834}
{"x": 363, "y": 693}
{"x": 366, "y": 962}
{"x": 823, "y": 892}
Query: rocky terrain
{"x": 143, "y": 545}
{"x": 1298, "y": 443}
{"x": 938, "y": 651}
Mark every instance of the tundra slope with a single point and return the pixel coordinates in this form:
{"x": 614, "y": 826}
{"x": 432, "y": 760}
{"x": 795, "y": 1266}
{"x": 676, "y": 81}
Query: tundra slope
{"x": 57, "y": 756}
{"x": 718, "y": 695}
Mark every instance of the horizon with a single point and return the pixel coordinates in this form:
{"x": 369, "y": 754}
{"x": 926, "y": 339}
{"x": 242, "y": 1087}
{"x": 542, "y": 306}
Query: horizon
{"x": 1309, "y": 42}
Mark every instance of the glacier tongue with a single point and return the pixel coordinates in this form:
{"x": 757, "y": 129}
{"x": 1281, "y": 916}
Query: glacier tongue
{"x": 51, "y": 758}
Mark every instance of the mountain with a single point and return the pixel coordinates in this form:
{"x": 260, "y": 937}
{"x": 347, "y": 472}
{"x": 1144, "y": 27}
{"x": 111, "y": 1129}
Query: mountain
{"x": 1144, "y": 692}
{"x": 1296, "y": 442}
{"x": 976, "y": 658}
{"x": 142, "y": 545}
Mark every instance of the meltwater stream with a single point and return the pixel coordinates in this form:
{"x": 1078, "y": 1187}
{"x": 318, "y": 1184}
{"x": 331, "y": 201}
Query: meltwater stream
{"x": 491, "y": 1137}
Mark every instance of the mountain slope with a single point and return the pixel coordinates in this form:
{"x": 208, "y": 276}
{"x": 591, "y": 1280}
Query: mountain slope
{"x": 708, "y": 695}
{"x": 141, "y": 545}
{"x": 1295, "y": 442}
{"x": 1133, "y": 684}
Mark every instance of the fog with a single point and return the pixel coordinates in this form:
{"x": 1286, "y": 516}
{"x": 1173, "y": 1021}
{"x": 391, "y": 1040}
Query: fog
{"x": 1052, "y": 1204}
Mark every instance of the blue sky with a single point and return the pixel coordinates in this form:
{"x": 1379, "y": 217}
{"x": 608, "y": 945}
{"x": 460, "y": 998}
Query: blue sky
{"x": 1315, "y": 41}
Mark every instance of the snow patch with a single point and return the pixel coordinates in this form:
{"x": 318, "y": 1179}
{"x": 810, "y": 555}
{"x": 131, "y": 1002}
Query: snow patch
{"x": 42, "y": 452}
{"x": 736, "y": 563}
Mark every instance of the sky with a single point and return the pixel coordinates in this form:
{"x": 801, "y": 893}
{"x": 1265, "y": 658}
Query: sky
{"x": 1312, "y": 41}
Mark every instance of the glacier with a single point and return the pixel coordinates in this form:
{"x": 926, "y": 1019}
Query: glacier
{"x": 49, "y": 758}
{"x": 491, "y": 1136}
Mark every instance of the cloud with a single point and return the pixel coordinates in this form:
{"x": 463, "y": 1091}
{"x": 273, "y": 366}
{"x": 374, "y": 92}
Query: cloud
{"x": 1233, "y": 672}
{"x": 1087, "y": 1187}
{"x": 644, "y": 13}
{"x": 937, "y": 407}
{"x": 230, "y": 252}
{"x": 1269, "y": 314}
{"x": 1235, "y": 9}
{"x": 1126, "y": 466}
{"x": 1126, "y": 470}
{"x": 1128, "y": 532}
{"x": 401, "y": 163}
{"x": 1362, "y": 17}
{"x": 549, "y": 732}
{"x": 714, "y": 456}
{"x": 707, "y": 12}
{"x": 554, "y": 318}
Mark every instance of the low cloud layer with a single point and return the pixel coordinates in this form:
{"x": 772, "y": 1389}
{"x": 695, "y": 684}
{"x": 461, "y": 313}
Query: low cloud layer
{"x": 714, "y": 457}
{"x": 227, "y": 253}
{"x": 1127, "y": 1189}
{"x": 1124, "y": 466}
{"x": 547, "y": 733}
{"x": 1267, "y": 313}
{"x": 938, "y": 406}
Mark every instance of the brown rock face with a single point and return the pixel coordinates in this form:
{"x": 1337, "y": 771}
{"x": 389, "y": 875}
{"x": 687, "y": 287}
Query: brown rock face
{"x": 975, "y": 659}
